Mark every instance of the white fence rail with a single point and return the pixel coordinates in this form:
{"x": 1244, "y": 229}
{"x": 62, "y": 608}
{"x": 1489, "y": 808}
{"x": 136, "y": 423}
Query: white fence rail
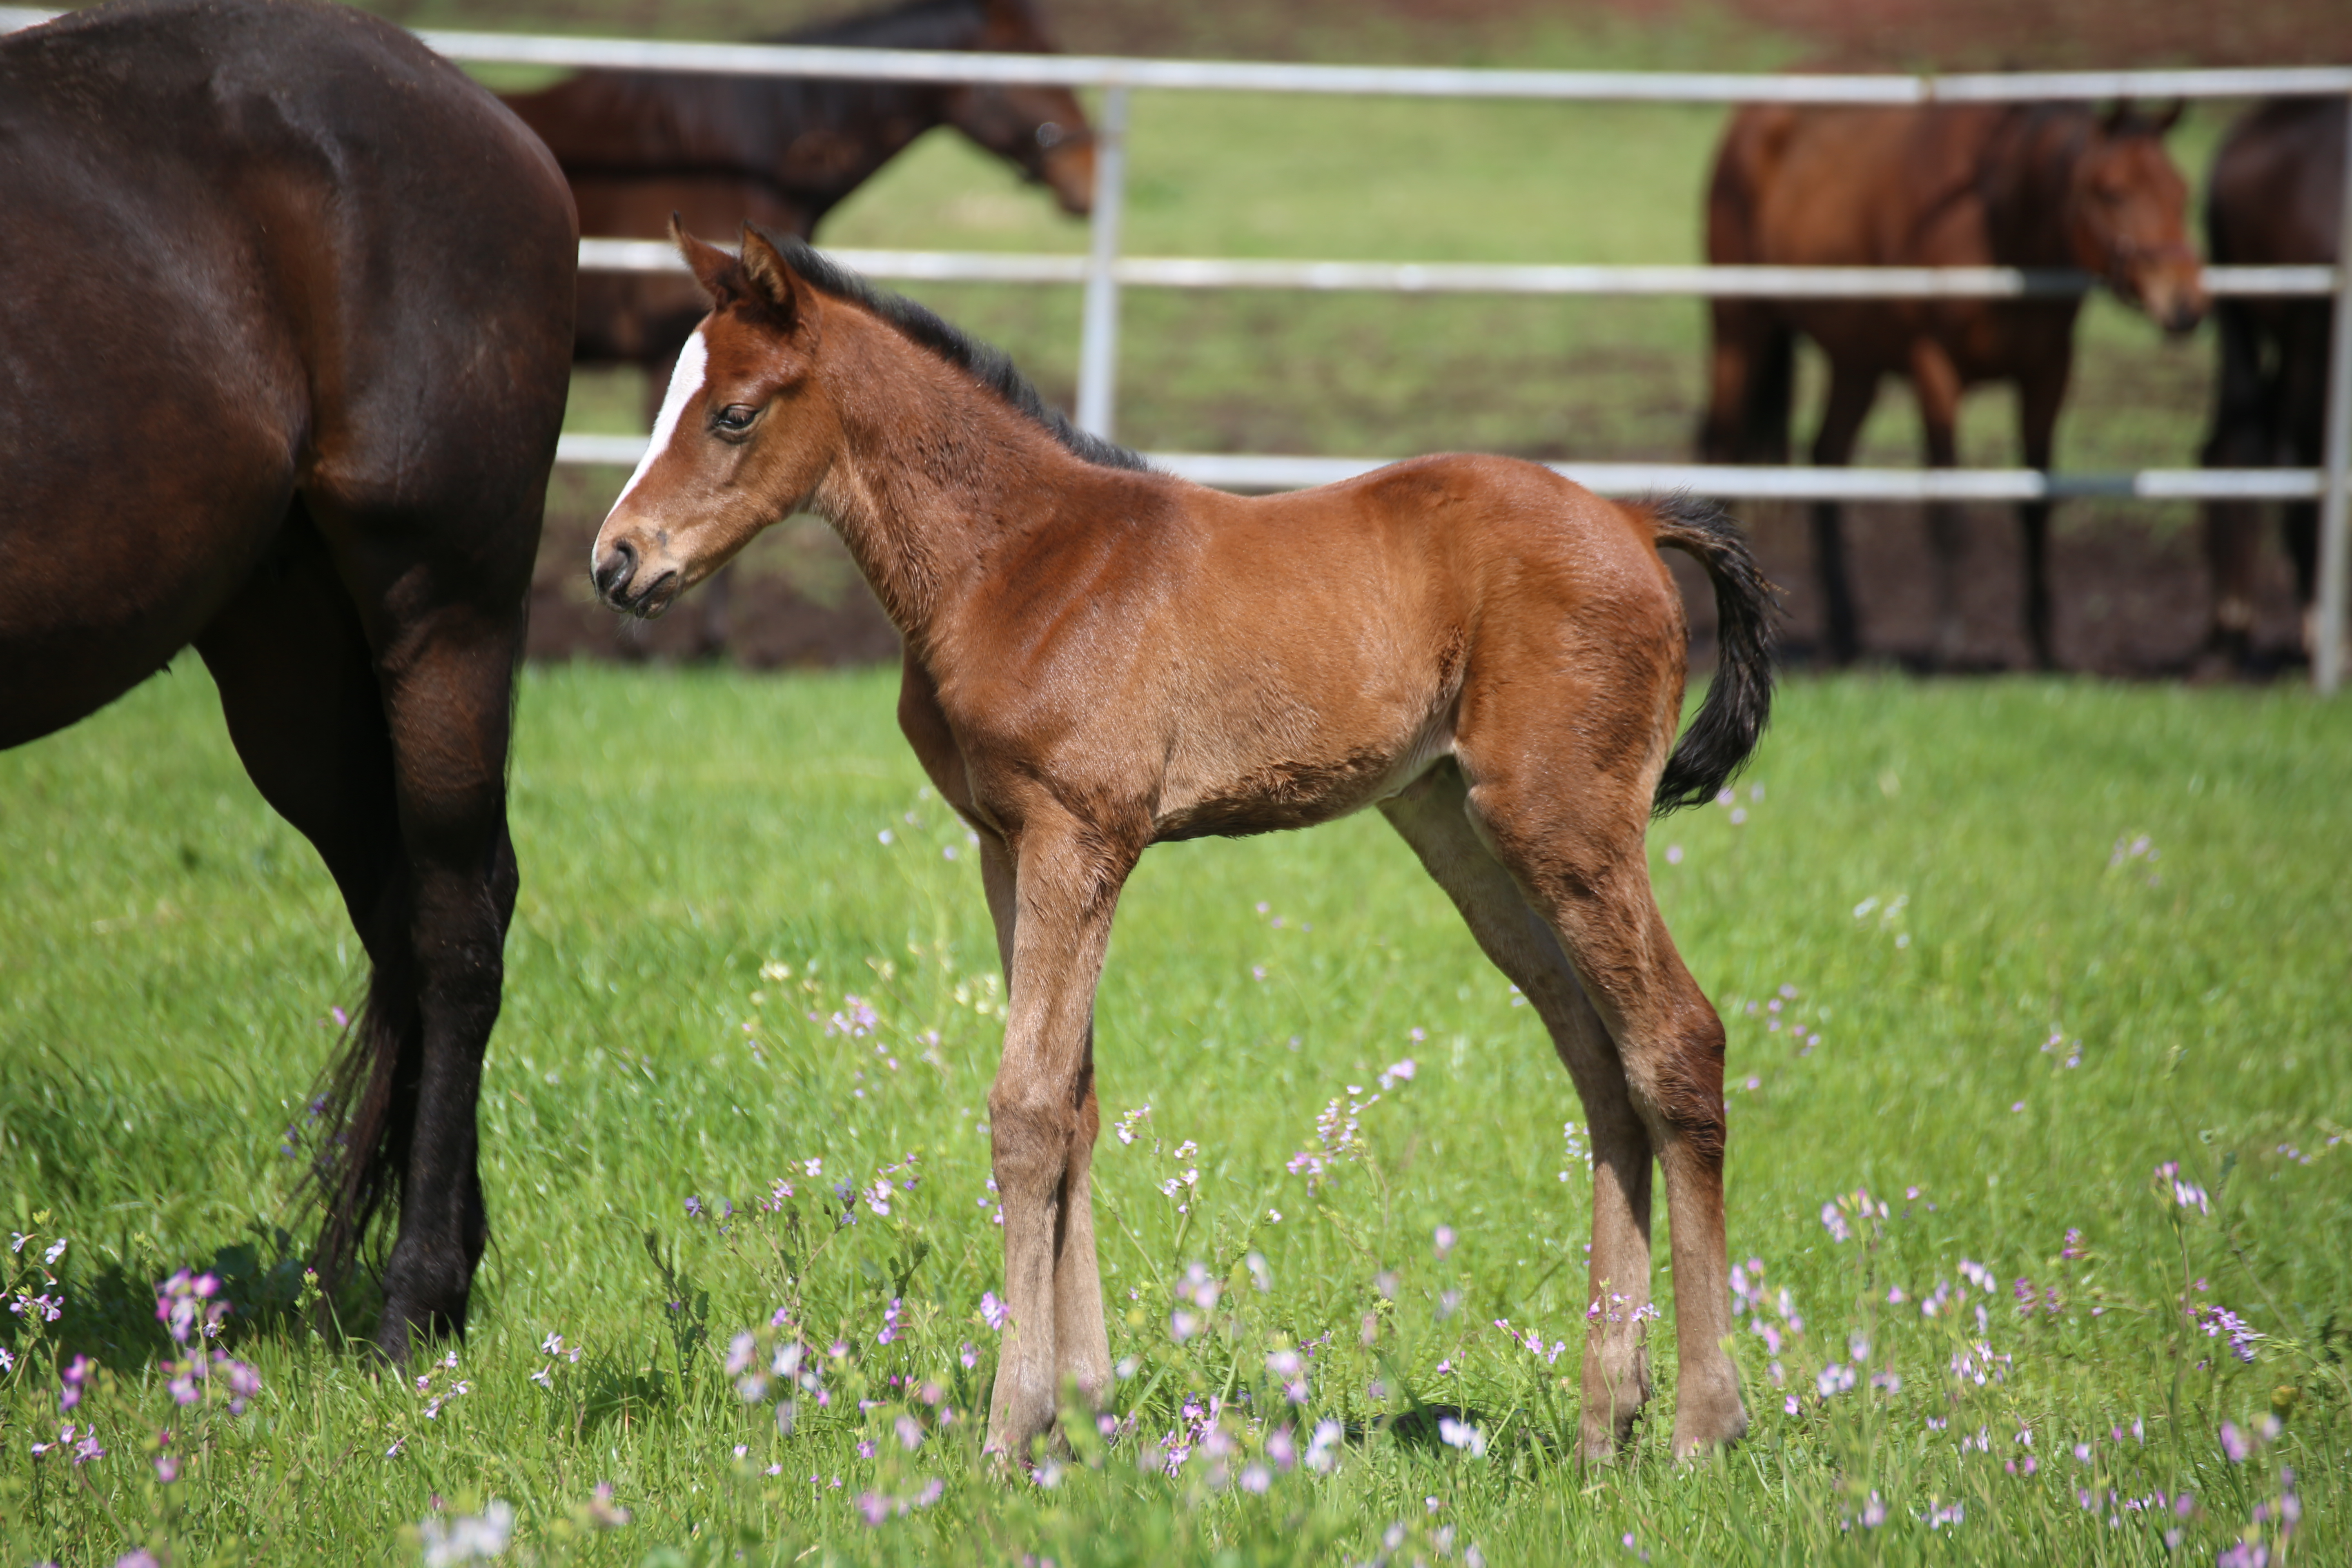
{"x": 1244, "y": 472}
{"x": 1479, "y": 278}
{"x": 1103, "y": 270}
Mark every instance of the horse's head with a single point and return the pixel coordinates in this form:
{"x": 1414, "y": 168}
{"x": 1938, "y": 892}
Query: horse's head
{"x": 2127, "y": 217}
{"x": 743, "y": 437}
{"x": 1040, "y": 129}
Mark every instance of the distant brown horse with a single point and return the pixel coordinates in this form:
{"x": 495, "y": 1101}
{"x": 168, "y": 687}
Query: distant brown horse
{"x": 1099, "y": 658}
{"x": 2276, "y": 200}
{"x": 719, "y": 151}
{"x": 284, "y": 344}
{"x": 2032, "y": 185}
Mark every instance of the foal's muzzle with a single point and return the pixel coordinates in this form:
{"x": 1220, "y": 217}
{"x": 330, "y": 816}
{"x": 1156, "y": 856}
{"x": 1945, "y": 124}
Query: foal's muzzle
{"x": 615, "y": 572}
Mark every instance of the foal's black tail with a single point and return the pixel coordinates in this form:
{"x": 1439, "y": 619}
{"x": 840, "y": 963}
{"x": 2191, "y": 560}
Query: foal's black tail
{"x": 362, "y": 1119}
{"x": 1739, "y": 700}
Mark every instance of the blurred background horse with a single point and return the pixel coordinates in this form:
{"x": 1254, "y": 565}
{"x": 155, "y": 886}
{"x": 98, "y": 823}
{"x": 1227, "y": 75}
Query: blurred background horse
{"x": 721, "y": 151}
{"x": 2276, "y": 199}
{"x": 2029, "y": 186}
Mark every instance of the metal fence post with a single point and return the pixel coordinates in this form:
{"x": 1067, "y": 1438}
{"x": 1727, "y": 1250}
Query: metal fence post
{"x": 1099, "y": 345}
{"x": 2327, "y": 654}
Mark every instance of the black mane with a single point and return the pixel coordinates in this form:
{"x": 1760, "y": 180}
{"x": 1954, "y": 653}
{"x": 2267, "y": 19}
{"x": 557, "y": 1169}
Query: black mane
{"x": 988, "y": 365}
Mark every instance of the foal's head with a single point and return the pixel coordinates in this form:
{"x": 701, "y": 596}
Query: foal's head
{"x": 744, "y": 436}
{"x": 2127, "y": 217}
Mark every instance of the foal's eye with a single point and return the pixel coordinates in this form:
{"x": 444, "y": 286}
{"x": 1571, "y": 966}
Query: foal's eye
{"x": 735, "y": 416}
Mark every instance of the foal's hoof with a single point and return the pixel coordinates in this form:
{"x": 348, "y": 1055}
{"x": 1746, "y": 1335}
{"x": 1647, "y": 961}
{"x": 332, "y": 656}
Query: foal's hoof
{"x": 1701, "y": 1436}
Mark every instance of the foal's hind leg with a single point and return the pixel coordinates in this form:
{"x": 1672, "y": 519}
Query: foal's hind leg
{"x": 1567, "y": 819}
{"x": 1432, "y": 817}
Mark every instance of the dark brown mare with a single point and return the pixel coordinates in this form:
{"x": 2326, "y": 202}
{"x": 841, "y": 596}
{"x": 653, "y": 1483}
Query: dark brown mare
{"x": 716, "y": 150}
{"x": 2276, "y": 200}
{"x": 2032, "y": 185}
{"x": 1099, "y": 657}
{"x": 284, "y": 347}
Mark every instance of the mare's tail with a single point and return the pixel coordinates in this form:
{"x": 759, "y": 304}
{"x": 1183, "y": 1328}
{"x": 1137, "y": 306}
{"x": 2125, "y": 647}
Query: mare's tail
{"x": 1739, "y": 700}
{"x": 361, "y": 1122}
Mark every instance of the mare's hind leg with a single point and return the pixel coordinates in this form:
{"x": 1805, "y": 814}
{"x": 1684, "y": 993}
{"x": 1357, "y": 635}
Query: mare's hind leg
{"x": 1938, "y": 383}
{"x": 298, "y": 690}
{"x": 2244, "y": 408}
{"x": 1433, "y": 817}
{"x": 447, "y": 698}
{"x": 2041, "y": 391}
{"x": 1564, "y": 805}
{"x": 1851, "y": 392}
{"x": 441, "y": 593}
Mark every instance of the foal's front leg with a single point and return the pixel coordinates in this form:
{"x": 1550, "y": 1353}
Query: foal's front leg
{"x": 1043, "y": 1120}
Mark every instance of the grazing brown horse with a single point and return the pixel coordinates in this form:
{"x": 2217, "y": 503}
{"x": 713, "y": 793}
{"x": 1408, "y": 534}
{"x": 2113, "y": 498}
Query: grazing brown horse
{"x": 284, "y": 347}
{"x": 2276, "y": 199}
{"x": 2031, "y": 185}
{"x": 782, "y": 152}
{"x": 1099, "y": 658}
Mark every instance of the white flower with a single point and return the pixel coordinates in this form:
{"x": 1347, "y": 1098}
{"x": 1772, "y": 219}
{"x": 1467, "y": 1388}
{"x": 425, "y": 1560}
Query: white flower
{"x": 1462, "y": 1435}
{"x": 1319, "y": 1456}
{"x": 468, "y": 1540}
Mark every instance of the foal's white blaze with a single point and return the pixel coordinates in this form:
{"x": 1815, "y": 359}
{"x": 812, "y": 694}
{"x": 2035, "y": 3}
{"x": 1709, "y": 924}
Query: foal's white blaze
{"x": 684, "y": 383}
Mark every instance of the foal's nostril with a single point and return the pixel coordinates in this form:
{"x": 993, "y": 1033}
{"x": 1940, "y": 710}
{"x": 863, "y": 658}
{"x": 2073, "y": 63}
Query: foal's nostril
{"x": 614, "y": 571}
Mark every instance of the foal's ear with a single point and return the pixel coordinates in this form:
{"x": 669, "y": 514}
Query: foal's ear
{"x": 774, "y": 284}
{"x": 721, "y": 275}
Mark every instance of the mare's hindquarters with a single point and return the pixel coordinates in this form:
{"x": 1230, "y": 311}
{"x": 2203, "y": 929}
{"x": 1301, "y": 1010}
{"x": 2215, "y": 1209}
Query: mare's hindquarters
{"x": 371, "y": 684}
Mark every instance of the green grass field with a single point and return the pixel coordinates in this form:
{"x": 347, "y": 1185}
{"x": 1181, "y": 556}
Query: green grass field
{"x": 2036, "y": 938}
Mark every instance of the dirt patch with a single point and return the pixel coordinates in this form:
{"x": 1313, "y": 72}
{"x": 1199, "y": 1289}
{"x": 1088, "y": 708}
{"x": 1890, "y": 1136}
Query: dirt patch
{"x": 2046, "y": 34}
{"x": 2132, "y": 601}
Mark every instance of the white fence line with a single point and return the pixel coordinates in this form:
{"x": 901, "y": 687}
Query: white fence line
{"x": 1479, "y": 278}
{"x": 1386, "y": 81}
{"x": 1104, "y": 271}
{"x": 1252, "y": 471}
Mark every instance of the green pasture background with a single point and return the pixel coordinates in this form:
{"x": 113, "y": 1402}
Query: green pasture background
{"x": 169, "y": 954}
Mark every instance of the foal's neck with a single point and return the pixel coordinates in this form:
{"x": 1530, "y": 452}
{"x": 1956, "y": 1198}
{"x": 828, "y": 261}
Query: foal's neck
{"x": 932, "y": 470}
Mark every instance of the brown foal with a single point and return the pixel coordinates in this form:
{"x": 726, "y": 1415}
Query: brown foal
{"x": 1099, "y": 656}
